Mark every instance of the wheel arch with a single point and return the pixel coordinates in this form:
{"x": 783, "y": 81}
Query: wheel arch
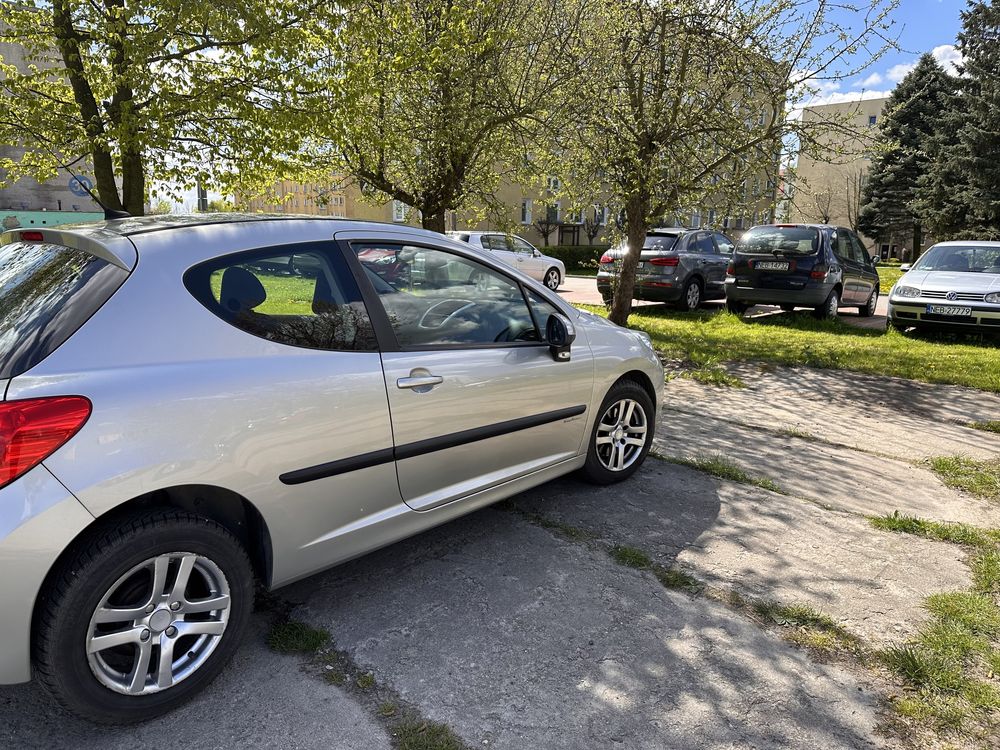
{"x": 642, "y": 379}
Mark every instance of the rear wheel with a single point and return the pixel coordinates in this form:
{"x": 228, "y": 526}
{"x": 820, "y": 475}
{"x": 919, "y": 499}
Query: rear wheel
{"x": 828, "y": 310}
{"x": 867, "y": 310}
{"x": 143, "y": 616}
{"x": 622, "y": 434}
{"x": 552, "y": 279}
{"x": 691, "y": 298}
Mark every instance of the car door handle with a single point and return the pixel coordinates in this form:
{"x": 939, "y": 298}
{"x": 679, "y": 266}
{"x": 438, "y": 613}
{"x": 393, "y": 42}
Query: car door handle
{"x": 418, "y": 382}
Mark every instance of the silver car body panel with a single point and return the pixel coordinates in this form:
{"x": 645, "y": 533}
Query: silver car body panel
{"x": 183, "y": 399}
{"x": 534, "y": 266}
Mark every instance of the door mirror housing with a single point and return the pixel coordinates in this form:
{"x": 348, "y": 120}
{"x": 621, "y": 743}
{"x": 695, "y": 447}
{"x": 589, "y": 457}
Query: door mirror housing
{"x": 905, "y": 267}
{"x": 874, "y": 261}
{"x": 560, "y": 334}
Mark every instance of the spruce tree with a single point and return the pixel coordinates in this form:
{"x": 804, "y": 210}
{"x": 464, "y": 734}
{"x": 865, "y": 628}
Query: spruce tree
{"x": 979, "y": 43}
{"x": 889, "y": 201}
{"x": 943, "y": 191}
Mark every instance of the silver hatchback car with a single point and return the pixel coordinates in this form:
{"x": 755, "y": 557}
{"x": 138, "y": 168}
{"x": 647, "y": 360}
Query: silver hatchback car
{"x": 190, "y": 405}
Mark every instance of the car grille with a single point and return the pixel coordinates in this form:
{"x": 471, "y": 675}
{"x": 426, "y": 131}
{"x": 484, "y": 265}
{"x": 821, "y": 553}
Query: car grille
{"x": 964, "y": 296}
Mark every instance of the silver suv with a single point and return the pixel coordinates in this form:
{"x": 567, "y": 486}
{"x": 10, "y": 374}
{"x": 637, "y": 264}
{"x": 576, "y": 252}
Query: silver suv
{"x": 682, "y": 266}
{"x": 190, "y": 405}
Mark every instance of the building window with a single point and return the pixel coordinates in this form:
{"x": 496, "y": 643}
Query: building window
{"x": 872, "y": 119}
{"x": 554, "y": 184}
{"x": 398, "y": 211}
{"x": 711, "y": 217}
{"x": 526, "y": 212}
{"x": 552, "y": 213}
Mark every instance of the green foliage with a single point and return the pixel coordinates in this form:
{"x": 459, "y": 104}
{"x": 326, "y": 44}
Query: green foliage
{"x": 576, "y": 257}
{"x": 293, "y": 637}
{"x": 721, "y": 467}
{"x": 990, "y": 425}
{"x": 888, "y": 203}
{"x": 979, "y": 478}
{"x": 166, "y": 88}
{"x": 631, "y": 557}
{"x": 424, "y": 735}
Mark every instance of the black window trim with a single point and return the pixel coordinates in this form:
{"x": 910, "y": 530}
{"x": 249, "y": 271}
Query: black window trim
{"x": 380, "y": 319}
{"x": 328, "y": 247}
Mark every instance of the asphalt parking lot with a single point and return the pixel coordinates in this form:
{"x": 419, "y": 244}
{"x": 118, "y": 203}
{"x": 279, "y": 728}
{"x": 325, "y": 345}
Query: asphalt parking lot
{"x": 516, "y": 628}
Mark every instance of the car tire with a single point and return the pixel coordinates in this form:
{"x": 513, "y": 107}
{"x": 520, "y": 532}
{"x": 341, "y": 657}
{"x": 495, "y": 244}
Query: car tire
{"x": 736, "y": 308}
{"x": 691, "y": 296}
{"x": 133, "y": 566}
{"x": 867, "y": 310}
{"x": 625, "y": 414}
{"x": 828, "y": 310}
{"x": 787, "y": 308}
{"x": 552, "y": 279}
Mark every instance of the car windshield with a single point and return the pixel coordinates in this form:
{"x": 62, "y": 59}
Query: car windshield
{"x": 779, "y": 241}
{"x": 962, "y": 258}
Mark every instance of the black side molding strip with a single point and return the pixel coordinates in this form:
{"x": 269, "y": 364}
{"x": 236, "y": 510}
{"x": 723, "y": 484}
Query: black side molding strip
{"x": 411, "y": 450}
{"x": 334, "y": 468}
{"x": 431, "y": 445}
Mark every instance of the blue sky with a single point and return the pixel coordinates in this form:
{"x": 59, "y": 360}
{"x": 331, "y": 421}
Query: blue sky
{"x": 921, "y": 26}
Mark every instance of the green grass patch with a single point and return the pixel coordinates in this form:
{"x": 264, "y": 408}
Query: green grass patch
{"x": 365, "y": 681}
{"x": 293, "y": 637}
{"x": 887, "y": 277}
{"x": 712, "y": 376}
{"x": 800, "y": 339}
{"x": 979, "y": 478}
{"x": 990, "y": 425}
{"x": 674, "y": 578}
{"x": 425, "y": 735}
{"x": 946, "y": 663}
{"x": 721, "y": 467}
{"x": 804, "y": 625}
{"x": 630, "y": 557}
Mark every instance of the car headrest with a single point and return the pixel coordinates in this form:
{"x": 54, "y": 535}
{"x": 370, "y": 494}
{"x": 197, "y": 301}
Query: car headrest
{"x": 241, "y": 290}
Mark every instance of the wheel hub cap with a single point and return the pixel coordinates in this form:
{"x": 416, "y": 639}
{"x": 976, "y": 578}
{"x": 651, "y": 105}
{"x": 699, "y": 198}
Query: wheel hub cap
{"x": 621, "y": 435}
{"x": 158, "y": 624}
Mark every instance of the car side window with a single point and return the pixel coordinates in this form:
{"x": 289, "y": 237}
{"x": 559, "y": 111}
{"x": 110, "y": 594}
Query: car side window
{"x": 520, "y": 246}
{"x": 541, "y": 309}
{"x": 494, "y": 242}
{"x": 297, "y": 295}
{"x": 725, "y": 245}
{"x": 704, "y": 244}
{"x": 842, "y": 245}
{"x": 438, "y": 298}
{"x": 860, "y": 253}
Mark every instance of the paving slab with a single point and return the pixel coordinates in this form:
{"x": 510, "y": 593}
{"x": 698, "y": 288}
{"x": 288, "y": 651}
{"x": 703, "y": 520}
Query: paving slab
{"x": 518, "y": 639}
{"x": 900, "y": 418}
{"x": 765, "y": 545}
{"x": 834, "y": 475}
{"x": 263, "y": 700}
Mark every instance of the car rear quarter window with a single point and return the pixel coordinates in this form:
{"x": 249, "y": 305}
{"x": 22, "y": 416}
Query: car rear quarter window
{"x": 784, "y": 240}
{"x": 300, "y": 296}
{"x": 47, "y": 292}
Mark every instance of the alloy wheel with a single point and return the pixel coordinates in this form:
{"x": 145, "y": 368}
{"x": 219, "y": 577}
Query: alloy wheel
{"x": 552, "y": 279}
{"x": 158, "y": 624}
{"x": 693, "y": 296}
{"x": 621, "y": 435}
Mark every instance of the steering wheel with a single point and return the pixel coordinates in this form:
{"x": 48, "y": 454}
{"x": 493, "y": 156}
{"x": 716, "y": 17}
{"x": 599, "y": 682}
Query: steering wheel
{"x": 463, "y": 305}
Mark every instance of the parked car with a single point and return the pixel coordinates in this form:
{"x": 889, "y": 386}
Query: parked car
{"x": 183, "y": 414}
{"x": 954, "y": 285}
{"x": 683, "y": 266}
{"x": 802, "y": 265}
{"x": 517, "y": 252}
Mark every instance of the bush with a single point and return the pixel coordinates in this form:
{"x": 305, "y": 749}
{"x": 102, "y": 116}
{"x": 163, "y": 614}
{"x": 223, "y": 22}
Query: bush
{"x": 576, "y": 257}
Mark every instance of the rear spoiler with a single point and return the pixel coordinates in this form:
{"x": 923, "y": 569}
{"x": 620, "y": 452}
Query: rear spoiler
{"x": 110, "y": 246}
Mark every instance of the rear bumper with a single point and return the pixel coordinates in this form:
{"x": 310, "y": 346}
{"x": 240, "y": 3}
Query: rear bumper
{"x": 650, "y": 290}
{"x": 809, "y": 296}
{"x": 38, "y": 520}
{"x": 908, "y": 313}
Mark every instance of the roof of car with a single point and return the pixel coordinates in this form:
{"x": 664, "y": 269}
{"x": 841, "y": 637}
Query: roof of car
{"x": 968, "y": 243}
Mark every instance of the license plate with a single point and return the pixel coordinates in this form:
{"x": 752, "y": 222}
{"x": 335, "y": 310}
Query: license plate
{"x": 948, "y": 310}
{"x": 771, "y": 265}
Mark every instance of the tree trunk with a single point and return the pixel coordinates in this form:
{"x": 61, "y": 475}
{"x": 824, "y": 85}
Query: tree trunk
{"x": 133, "y": 183}
{"x": 636, "y": 211}
{"x": 434, "y": 221}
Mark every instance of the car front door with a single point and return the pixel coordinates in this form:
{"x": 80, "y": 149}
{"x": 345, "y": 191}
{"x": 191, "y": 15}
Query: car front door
{"x": 844, "y": 250}
{"x": 475, "y": 395}
{"x": 868, "y": 278}
{"x": 497, "y": 244}
{"x": 529, "y": 259}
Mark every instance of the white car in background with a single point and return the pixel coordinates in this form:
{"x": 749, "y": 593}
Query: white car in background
{"x": 519, "y": 253}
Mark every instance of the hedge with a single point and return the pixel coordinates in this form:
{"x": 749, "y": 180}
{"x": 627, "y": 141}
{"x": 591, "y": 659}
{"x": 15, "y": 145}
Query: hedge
{"x": 576, "y": 257}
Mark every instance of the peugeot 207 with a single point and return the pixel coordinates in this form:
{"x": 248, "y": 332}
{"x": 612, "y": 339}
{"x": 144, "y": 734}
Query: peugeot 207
{"x": 191, "y": 406}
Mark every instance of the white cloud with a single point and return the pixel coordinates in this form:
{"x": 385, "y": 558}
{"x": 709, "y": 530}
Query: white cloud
{"x": 948, "y": 56}
{"x": 873, "y": 80}
{"x": 839, "y": 97}
{"x": 898, "y": 72}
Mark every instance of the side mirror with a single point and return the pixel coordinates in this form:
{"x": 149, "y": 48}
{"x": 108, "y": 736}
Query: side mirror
{"x": 874, "y": 261}
{"x": 560, "y": 334}
{"x": 905, "y": 267}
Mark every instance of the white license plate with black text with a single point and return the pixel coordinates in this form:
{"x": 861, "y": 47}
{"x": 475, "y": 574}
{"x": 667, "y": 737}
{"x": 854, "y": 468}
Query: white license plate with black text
{"x": 771, "y": 265}
{"x": 949, "y": 310}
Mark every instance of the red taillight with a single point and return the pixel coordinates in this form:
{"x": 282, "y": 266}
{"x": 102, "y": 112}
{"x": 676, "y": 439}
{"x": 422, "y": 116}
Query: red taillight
{"x": 31, "y": 237}
{"x": 32, "y": 430}
{"x": 668, "y": 261}
{"x": 818, "y": 273}
{"x": 607, "y": 259}
{"x": 730, "y": 270}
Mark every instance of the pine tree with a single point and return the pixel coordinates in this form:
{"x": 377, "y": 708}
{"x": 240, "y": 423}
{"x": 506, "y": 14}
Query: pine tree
{"x": 889, "y": 201}
{"x": 943, "y": 191}
{"x": 979, "y": 43}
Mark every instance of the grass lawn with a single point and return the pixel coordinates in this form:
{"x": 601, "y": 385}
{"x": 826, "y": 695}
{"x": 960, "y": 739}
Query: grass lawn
{"x": 799, "y": 339}
{"x": 887, "y": 276}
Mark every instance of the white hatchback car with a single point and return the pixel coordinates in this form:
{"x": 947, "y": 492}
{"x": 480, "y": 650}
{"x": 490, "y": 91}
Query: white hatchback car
{"x": 519, "y": 253}
{"x": 190, "y": 405}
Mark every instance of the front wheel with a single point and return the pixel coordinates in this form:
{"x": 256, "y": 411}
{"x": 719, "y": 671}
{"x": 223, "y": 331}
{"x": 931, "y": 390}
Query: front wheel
{"x": 622, "y": 435}
{"x": 143, "y": 616}
{"x": 552, "y": 279}
{"x": 867, "y": 310}
{"x": 691, "y": 298}
{"x": 828, "y": 310}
